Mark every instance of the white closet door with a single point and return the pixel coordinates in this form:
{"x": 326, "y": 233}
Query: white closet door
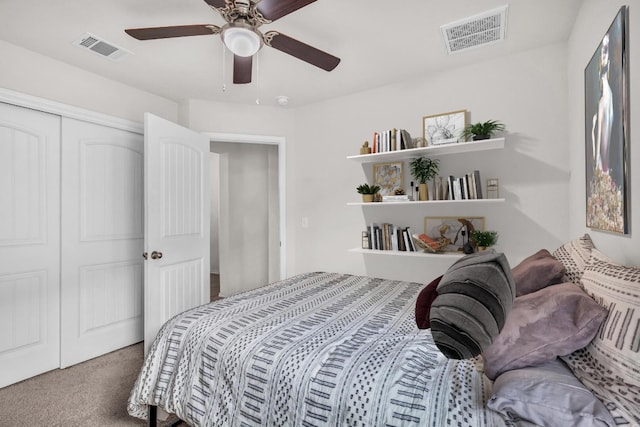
{"x": 29, "y": 243}
{"x": 102, "y": 240}
{"x": 176, "y": 222}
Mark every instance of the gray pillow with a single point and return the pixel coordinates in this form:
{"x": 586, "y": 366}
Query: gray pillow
{"x": 474, "y": 298}
{"x": 551, "y": 322}
{"x": 536, "y": 272}
{"x": 547, "y": 395}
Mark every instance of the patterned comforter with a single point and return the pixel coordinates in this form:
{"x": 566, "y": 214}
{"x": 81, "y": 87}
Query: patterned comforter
{"x": 318, "y": 349}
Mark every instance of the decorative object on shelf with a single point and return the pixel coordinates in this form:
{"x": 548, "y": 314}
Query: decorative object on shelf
{"x": 365, "y": 149}
{"x": 484, "y": 239}
{"x": 388, "y": 176}
{"x": 419, "y": 142}
{"x": 482, "y": 130}
{"x": 427, "y": 244}
{"x": 368, "y": 191}
{"x": 424, "y": 169}
{"x": 493, "y": 190}
{"x": 365, "y": 240}
{"x": 607, "y": 131}
{"x": 444, "y": 128}
{"x": 449, "y": 230}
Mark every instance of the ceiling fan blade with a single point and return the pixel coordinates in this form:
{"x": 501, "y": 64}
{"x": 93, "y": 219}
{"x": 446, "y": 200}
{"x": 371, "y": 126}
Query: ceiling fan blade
{"x": 301, "y": 50}
{"x": 218, "y": 4}
{"x": 242, "y": 69}
{"x": 169, "y": 32}
{"x": 276, "y": 9}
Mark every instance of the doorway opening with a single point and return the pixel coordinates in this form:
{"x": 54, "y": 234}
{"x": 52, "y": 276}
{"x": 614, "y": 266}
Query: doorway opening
{"x": 247, "y": 212}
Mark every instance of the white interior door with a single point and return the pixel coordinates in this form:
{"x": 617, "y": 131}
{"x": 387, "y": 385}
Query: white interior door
{"x": 177, "y": 207}
{"x": 102, "y": 240}
{"x": 29, "y": 243}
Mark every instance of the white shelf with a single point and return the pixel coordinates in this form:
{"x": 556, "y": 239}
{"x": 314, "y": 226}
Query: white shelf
{"x": 434, "y": 150}
{"x": 408, "y": 254}
{"x": 428, "y": 202}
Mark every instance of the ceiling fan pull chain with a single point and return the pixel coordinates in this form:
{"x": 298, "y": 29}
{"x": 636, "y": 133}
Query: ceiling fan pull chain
{"x": 257, "y": 56}
{"x": 224, "y": 68}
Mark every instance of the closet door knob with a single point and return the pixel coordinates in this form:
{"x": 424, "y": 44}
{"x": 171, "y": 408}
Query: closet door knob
{"x": 156, "y": 255}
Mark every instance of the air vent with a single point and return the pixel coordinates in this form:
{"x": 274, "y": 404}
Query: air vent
{"x": 475, "y": 31}
{"x": 101, "y": 47}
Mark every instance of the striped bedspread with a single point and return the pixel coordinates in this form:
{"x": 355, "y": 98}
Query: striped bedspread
{"x": 318, "y": 349}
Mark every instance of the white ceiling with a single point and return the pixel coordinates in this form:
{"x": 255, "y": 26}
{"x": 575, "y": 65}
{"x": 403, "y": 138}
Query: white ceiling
{"x": 379, "y": 42}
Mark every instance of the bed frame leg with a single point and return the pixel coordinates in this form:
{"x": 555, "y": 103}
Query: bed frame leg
{"x": 152, "y": 416}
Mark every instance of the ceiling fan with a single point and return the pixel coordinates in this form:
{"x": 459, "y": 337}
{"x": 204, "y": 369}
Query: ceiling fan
{"x": 241, "y": 35}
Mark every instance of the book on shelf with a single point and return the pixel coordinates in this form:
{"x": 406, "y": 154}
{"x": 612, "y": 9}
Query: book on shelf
{"x": 391, "y": 140}
{"x": 465, "y": 187}
{"x": 388, "y": 237}
{"x": 396, "y": 198}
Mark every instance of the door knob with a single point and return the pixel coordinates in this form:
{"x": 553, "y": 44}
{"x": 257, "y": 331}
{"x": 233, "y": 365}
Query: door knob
{"x": 156, "y": 255}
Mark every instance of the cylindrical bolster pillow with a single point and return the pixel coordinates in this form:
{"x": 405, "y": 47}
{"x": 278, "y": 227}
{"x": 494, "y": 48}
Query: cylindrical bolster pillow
{"x": 475, "y": 296}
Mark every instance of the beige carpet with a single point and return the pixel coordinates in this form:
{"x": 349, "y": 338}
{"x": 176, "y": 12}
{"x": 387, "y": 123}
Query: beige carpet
{"x": 92, "y": 393}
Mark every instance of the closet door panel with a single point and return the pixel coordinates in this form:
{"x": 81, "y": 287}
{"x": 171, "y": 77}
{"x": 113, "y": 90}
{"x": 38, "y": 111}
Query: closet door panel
{"x": 29, "y": 243}
{"x": 102, "y": 240}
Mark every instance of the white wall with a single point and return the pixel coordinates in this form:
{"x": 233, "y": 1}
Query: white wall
{"x": 528, "y": 92}
{"x": 591, "y": 24}
{"x": 38, "y": 75}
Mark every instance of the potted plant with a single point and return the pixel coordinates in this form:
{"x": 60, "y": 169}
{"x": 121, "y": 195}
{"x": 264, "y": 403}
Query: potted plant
{"x": 482, "y": 130}
{"x": 424, "y": 169}
{"x": 367, "y": 191}
{"x": 484, "y": 239}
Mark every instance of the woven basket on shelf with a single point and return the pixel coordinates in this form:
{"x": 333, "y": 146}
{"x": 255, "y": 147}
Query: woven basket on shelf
{"x": 438, "y": 245}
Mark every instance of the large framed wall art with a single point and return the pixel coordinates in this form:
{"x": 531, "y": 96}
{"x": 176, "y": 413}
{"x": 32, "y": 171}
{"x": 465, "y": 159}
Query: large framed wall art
{"x": 607, "y": 131}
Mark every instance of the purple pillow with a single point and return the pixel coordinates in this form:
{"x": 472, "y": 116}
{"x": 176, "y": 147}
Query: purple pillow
{"x": 423, "y": 303}
{"x": 536, "y": 272}
{"x": 551, "y": 322}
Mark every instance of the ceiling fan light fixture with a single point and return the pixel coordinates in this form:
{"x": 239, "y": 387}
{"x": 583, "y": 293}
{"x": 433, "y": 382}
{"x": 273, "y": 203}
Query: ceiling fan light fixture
{"x": 241, "y": 40}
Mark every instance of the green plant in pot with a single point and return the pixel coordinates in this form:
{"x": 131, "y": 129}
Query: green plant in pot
{"x": 368, "y": 191}
{"x": 482, "y": 130}
{"x": 423, "y": 169}
{"x": 484, "y": 239}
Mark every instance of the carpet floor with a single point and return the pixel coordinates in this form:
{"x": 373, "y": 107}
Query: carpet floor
{"x": 92, "y": 393}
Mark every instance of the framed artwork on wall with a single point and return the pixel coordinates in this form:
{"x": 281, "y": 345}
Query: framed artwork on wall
{"x": 454, "y": 230}
{"x": 607, "y": 131}
{"x": 444, "y": 128}
{"x": 388, "y": 176}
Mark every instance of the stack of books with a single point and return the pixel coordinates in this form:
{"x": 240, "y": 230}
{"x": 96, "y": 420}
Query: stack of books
{"x": 391, "y": 140}
{"x": 389, "y": 237}
{"x": 466, "y": 187}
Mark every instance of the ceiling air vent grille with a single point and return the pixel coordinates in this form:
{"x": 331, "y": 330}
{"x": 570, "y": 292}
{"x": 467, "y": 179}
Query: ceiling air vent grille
{"x": 475, "y": 31}
{"x": 101, "y": 47}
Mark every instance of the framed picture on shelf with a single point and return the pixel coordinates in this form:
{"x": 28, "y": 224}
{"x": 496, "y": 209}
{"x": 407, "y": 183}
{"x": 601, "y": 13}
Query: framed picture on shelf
{"x": 452, "y": 230}
{"x": 444, "y": 128}
{"x": 606, "y": 131}
{"x": 389, "y": 176}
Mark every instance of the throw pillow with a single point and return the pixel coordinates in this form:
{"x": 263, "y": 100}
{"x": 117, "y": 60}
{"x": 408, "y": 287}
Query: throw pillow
{"x": 536, "y": 272}
{"x": 551, "y": 322}
{"x": 575, "y": 255}
{"x": 424, "y": 301}
{"x": 547, "y": 395}
{"x": 474, "y": 298}
{"x": 610, "y": 364}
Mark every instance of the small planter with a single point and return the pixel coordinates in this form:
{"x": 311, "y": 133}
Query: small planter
{"x": 368, "y": 198}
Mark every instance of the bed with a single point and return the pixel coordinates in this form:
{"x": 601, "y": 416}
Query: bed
{"x": 330, "y": 349}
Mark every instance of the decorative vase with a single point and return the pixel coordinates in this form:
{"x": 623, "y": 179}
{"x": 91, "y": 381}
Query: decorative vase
{"x": 367, "y": 198}
{"x": 423, "y": 192}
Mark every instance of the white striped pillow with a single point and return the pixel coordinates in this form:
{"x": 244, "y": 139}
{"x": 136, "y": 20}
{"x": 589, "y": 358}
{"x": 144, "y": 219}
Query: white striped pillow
{"x": 575, "y": 255}
{"x": 610, "y": 364}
